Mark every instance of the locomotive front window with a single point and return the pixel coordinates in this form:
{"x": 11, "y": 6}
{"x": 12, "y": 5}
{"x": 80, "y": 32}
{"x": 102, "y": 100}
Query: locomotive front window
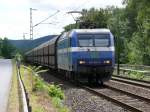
{"x": 94, "y": 40}
{"x": 101, "y": 40}
{"x": 85, "y": 40}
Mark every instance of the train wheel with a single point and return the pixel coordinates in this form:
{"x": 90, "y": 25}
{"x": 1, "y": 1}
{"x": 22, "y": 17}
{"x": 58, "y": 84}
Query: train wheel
{"x": 90, "y": 79}
{"x": 76, "y": 79}
{"x": 99, "y": 81}
{"x": 71, "y": 76}
{"x": 102, "y": 83}
{"x": 68, "y": 75}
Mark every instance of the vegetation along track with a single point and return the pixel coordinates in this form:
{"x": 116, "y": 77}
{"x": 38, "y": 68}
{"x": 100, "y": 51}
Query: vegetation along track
{"x": 136, "y": 82}
{"x": 122, "y": 98}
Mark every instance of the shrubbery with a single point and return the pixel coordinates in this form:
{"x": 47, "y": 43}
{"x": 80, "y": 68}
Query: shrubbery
{"x": 55, "y": 91}
{"x": 38, "y": 85}
{"x": 51, "y": 89}
{"x": 136, "y": 75}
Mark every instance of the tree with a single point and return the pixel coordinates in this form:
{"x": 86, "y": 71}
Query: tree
{"x": 0, "y": 46}
{"x": 119, "y": 26}
{"x": 7, "y": 49}
{"x": 139, "y": 45}
{"x": 131, "y": 26}
{"x": 92, "y": 18}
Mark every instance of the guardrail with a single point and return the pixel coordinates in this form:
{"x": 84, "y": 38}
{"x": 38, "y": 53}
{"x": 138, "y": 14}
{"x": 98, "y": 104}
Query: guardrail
{"x": 126, "y": 69}
{"x": 136, "y": 67}
{"x": 24, "y": 96}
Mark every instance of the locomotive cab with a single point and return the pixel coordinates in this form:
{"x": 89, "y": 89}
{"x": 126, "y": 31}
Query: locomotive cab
{"x": 94, "y": 54}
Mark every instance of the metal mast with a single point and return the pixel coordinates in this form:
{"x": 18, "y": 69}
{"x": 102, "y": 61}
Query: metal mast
{"x": 31, "y": 25}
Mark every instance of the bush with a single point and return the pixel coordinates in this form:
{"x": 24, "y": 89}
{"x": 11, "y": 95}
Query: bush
{"x": 55, "y": 91}
{"x": 136, "y": 75}
{"x": 58, "y": 103}
{"x": 38, "y": 85}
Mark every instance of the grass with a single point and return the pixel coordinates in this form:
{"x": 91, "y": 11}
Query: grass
{"x": 13, "y": 101}
{"x": 34, "y": 103}
{"x": 43, "y": 97}
{"x": 136, "y": 75}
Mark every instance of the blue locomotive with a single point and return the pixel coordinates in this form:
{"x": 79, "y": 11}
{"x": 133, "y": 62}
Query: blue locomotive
{"x": 79, "y": 54}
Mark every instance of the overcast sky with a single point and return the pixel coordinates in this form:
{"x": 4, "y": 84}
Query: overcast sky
{"x": 15, "y": 15}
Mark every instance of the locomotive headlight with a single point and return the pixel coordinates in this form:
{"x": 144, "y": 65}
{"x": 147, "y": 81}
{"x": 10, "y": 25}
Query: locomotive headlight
{"x": 81, "y": 62}
{"x": 107, "y": 62}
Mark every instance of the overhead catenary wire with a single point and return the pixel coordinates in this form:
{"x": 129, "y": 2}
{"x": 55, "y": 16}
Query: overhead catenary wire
{"x": 75, "y": 10}
{"x": 46, "y": 18}
{"x": 59, "y": 24}
{"x": 83, "y": 4}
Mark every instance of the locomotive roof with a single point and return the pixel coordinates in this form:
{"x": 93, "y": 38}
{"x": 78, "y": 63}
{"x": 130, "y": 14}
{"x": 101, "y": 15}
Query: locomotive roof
{"x": 91, "y": 30}
{"x": 102, "y": 30}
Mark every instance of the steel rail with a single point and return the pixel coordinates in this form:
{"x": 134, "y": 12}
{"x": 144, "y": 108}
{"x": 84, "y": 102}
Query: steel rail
{"x": 135, "y": 82}
{"x": 138, "y": 80}
{"x": 128, "y": 93}
{"x": 124, "y": 105}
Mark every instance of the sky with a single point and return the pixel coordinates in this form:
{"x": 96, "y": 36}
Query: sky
{"x": 15, "y": 15}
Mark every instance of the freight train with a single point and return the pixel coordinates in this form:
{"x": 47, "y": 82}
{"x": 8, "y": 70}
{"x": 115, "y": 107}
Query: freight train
{"x": 87, "y": 54}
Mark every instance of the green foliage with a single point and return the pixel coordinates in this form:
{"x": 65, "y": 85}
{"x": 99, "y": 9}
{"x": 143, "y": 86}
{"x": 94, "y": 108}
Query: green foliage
{"x": 139, "y": 46}
{"x": 57, "y": 102}
{"x": 130, "y": 26}
{"x": 92, "y": 18}
{"x": 6, "y": 49}
{"x": 136, "y": 75}
{"x": 36, "y": 70}
{"x": 52, "y": 90}
{"x": 38, "y": 85}
{"x": 70, "y": 26}
{"x": 0, "y": 47}
{"x": 55, "y": 91}
{"x": 18, "y": 57}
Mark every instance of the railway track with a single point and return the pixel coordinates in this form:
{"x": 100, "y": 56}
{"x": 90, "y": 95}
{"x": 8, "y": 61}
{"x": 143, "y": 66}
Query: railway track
{"x": 122, "y": 98}
{"x": 135, "y": 82}
{"x": 127, "y": 100}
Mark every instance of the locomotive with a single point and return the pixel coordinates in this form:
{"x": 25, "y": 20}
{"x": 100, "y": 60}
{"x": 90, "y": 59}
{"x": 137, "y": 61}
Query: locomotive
{"x": 87, "y": 54}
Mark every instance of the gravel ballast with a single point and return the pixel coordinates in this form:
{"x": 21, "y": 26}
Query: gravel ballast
{"x": 80, "y": 100}
{"x": 130, "y": 88}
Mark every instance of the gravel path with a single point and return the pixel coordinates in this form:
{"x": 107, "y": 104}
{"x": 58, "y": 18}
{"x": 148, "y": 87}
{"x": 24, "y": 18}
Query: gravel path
{"x": 79, "y": 100}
